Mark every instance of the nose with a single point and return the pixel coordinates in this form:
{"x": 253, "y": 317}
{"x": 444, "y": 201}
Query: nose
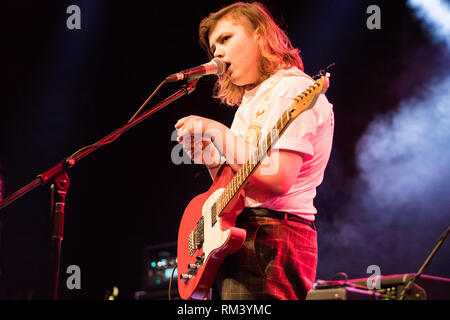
{"x": 219, "y": 52}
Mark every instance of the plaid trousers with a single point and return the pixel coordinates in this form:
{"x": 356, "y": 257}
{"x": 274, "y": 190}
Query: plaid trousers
{"x": 278, "y": 260}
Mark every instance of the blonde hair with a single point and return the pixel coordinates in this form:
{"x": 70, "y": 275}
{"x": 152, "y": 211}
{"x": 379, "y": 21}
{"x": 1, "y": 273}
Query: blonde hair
{"x": 276, "y": 50}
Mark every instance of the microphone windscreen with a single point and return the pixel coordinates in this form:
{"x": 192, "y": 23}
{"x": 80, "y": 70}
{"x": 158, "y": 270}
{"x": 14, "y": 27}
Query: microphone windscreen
{"x": 221, "y": 66}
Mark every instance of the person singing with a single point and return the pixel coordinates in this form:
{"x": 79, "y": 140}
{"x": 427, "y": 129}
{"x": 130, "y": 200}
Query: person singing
{"x": 264, "y": 74}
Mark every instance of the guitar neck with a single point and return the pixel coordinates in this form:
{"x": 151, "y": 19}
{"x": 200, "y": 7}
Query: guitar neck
{"x": 249, "y": 167}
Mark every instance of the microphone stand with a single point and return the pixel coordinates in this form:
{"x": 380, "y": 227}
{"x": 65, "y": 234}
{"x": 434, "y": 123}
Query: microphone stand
{"x": 59, "y": 188}
{"x": 427, "y": 262}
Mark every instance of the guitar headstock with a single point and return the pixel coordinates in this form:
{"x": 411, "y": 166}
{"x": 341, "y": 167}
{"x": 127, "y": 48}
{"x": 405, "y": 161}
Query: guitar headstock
{"x": 306, "y": 99}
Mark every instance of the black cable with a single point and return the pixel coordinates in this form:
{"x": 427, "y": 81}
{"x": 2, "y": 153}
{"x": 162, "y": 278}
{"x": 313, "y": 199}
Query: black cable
{"x": 323, "y": 71}
{"x": 170, "y": 282}
{"x": 113, "y": 138}
{"x": 148, "y": 99}
{"x": 340, "y": 274}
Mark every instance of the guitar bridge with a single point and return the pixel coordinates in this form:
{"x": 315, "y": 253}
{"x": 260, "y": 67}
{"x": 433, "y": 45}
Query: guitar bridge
{"x": 196, "y": 237}
{"x": 192, "y": 246}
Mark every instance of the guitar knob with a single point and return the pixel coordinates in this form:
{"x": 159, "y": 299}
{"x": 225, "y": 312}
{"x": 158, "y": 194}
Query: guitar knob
{"x": 193, "y": 266}
{"x": 185, "y": 276}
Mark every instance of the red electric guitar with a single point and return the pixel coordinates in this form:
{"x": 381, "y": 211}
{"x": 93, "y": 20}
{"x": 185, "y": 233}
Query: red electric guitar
{"x": 207, "y": 232}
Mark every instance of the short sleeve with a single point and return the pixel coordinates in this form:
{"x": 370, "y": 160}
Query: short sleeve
{"x": 299, "y": 135}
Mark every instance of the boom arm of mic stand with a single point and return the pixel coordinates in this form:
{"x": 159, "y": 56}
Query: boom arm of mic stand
{"x": 61, "y": 183}
{"x": 69, "y": 162}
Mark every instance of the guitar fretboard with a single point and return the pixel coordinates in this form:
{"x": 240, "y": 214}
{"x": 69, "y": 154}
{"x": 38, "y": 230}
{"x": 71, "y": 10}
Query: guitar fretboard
{"x": 247, "y": 169}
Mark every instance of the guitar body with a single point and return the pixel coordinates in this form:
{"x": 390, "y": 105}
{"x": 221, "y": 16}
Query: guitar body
{"x": 202, "y": 246}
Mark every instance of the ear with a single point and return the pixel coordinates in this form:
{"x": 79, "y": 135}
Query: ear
{"x": 258, "y": 38}
{"x": 257, "y": 34}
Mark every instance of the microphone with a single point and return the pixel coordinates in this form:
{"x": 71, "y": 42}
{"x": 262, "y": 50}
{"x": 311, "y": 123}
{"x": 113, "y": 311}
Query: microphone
{"x": 215, "y": 66}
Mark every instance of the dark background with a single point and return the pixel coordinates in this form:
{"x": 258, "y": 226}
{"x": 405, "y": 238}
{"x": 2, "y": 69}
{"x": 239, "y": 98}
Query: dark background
{"x": 63, "y": 89}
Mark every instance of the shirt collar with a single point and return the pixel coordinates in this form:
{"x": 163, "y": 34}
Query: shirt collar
{"x": 268, "y": 83}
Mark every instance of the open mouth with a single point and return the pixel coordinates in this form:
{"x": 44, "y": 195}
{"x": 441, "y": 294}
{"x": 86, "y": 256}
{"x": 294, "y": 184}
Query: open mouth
{"x": 227, "y": 69}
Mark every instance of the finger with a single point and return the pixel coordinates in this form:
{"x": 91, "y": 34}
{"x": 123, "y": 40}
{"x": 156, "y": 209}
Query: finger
{"x": 181, "y": 134}
{"x": 179, "y": 138}
{"x": 180, "y": 122}
{"x": 206, "y": 143}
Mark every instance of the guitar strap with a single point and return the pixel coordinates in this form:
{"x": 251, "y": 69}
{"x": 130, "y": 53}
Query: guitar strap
{"x": 253, "y": 133}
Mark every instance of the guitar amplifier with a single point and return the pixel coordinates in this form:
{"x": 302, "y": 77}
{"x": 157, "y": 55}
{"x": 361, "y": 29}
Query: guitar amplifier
{"x": 342, "y": 293}
{"x": 426, "y": 287}
{"x": 158, "y": 263}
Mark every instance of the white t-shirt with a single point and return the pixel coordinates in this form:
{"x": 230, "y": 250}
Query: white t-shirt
{"x": 310, "y": 134}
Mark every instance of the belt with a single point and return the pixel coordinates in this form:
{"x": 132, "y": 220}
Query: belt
{"x": 267, "y": 213}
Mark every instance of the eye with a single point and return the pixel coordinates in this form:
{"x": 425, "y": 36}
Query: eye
{"x": 225, "y": 38}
